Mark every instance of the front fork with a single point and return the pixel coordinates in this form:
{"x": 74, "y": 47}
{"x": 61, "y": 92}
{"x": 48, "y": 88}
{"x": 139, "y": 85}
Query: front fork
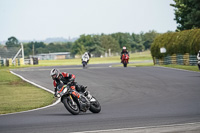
{"x": 70, "y": 96}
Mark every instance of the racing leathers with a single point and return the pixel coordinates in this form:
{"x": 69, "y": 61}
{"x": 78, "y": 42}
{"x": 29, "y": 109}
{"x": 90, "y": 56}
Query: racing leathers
{"x": 86, "y": 56}
{"x": 66, "y": 78}
{"x": 123, "y": 52}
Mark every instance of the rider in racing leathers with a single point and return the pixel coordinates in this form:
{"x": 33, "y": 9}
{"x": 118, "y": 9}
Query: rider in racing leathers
{"x": 86, "y": 55}
{"x": 57, "y": 76}
{"x": 124, "y": 51}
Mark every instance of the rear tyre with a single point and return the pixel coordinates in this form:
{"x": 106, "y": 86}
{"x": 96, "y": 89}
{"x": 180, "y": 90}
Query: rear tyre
{"x": 95, "y": 107}
{"x": 72, "y": 107}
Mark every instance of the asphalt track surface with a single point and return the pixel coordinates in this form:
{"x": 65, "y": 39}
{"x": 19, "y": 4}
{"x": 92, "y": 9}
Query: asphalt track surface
{"x": 130, "y": 97}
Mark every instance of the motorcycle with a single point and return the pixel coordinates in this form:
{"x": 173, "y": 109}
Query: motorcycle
{"x": 125, "y": 58}
{"x": 75, "y": 102}
{"x": 84, "y": 61}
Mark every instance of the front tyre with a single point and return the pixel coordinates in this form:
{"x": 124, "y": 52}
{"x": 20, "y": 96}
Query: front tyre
{"x": 125, "y": 64}
{"x": 71, "y": 106}
{"x": 84, "y": 64}
{"x": 95, "y": 106}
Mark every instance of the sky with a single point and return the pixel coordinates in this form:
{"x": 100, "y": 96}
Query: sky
{"x": 41, "y": 19}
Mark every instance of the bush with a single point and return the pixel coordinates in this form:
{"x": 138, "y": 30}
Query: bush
{"x": 187, "y": 41}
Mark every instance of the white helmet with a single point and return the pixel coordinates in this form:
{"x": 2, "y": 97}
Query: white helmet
{"x": 54, "y": 73}
{"x": 124, "y": 48}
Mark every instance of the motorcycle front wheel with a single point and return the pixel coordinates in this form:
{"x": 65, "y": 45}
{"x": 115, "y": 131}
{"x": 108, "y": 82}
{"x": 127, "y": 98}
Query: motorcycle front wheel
{"x": 95, "y": 106}
{"x": 84, "y": 64}
{"x": 71, "y": 106}
{"x": 125, "y": 64}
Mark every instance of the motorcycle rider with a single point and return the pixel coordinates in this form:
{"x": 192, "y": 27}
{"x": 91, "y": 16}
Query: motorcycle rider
{"x": 198, "y": 58}
{"x": 124, "y": 51}
{"x": 86, "y": 55}
{"x": 64, "y": 77}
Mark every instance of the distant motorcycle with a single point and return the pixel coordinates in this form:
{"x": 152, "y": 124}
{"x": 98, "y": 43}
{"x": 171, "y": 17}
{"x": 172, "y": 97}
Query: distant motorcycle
{"x": 84, "y": 61}
{"x": 125, "y": 58}
{"x": 75, "y": 102}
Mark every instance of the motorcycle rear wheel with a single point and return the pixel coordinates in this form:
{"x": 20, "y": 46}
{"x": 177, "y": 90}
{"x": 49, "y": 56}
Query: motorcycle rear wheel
{"x": 72, "y": 108}
{"x": 95, "y": 107}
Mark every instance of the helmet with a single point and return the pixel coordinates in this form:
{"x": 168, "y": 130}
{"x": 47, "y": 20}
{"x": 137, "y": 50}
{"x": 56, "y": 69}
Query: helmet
{"x": 124, "y": 48}
{"x": 54, "y": 73}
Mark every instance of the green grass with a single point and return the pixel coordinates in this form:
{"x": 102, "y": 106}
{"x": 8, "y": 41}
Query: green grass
{"x": 135, "y": 65}
{"x": 16, "y": 95}
{"x": 190, "y": 68}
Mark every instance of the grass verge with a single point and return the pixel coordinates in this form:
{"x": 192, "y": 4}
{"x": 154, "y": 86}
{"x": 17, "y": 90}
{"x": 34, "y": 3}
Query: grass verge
{"x": 190, "y": 68}
{"x": 17, "y": 95}
{"x": 135, "y": 65}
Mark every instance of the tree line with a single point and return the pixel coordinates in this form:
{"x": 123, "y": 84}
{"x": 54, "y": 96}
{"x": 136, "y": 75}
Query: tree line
{"x": 100, "y": 44}
{"x": 95, "y": 44}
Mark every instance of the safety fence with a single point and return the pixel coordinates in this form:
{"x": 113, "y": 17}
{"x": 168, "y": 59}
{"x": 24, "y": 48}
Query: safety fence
{"x": 178, "y": 59}
{"x": 18, "y": 62}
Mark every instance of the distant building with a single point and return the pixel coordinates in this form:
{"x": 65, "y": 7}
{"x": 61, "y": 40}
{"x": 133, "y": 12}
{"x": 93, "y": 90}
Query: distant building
{"x": 53, "y": 56}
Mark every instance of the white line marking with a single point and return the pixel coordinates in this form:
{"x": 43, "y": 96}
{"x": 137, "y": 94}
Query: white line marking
{"x": 38, "y": 87}
{"x": 148, "y": 128}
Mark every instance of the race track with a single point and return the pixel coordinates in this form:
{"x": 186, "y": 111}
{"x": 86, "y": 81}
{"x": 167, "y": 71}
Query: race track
{"x": 130, "y": 97}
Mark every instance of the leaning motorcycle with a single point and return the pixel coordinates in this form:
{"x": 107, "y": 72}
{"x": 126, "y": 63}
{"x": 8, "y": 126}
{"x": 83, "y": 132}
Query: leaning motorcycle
{"x": 125, "y": 59}
{"x": 76, "y": 102}
{"x": 84, "y": 61}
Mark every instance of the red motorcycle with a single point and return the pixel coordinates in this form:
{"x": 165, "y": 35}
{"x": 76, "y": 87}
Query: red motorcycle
{"x": 125, "y": 58}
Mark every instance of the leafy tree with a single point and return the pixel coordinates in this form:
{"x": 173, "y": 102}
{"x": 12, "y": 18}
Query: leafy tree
{"x": 97, "y": 50}
{"x": 137, "y": 42}
{"x": 124, "y": 39}
{"x": 77, "y": 48}
{"x": 82, "y": 44}
{"x": 187, "y": 14}
{"x": 90, "y": 43}
{"x": 108, "y": 42}
{"x": 12, "y": 42}
{"x": 148, "y": 38}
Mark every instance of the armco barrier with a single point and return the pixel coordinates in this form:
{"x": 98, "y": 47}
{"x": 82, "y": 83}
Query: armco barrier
{"x": 178, "y": 59}
{"x": 1, "y": 63}
{"x": 8, "y": 62}
{"x": 193, "y": 60}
